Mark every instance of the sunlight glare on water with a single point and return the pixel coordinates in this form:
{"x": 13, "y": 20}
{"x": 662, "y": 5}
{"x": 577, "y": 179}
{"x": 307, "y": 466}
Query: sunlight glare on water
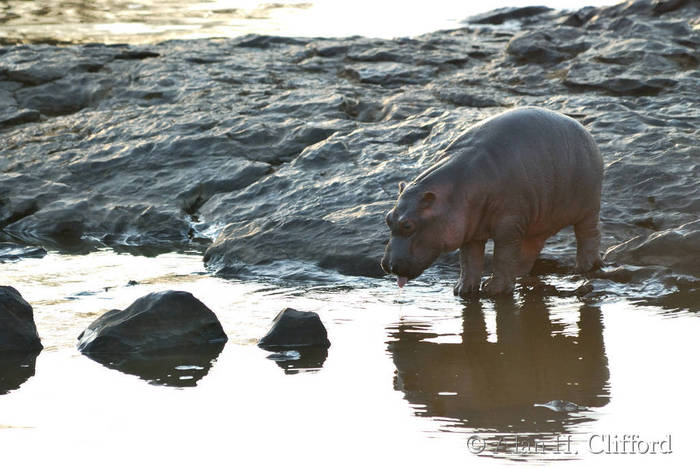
{"x": 118, "y": 21}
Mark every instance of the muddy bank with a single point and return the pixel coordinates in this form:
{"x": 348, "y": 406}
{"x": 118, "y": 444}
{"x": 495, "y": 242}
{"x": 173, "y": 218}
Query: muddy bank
{"x": 258, "y": 149}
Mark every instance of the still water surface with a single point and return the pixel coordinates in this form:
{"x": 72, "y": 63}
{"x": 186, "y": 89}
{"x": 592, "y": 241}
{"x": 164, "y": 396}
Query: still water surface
{"x": 412, "y": 377}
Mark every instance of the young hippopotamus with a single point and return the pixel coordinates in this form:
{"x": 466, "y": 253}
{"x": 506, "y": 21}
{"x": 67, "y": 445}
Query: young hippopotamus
{"x": 517, "y": 178}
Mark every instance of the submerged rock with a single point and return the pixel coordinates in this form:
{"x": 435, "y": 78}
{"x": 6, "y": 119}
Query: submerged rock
{"x": 17, "y": 328}
{"x": 164, "y": 321}
{"x": 561, "y": 406}
{"x": 295, "y": 329}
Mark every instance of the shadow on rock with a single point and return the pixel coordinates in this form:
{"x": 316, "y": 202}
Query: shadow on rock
{"x": 15, "y": 369}
{"x": 172, "y": 368}
{"x": 493, "y": 385}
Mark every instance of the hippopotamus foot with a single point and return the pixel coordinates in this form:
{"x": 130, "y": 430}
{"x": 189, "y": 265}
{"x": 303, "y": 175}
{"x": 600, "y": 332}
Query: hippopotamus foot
{"x": 466, "y": 288}
{"x": 471, "y": 262}
{"x": 587, "y": 244}
{"x": 497, "y": 285}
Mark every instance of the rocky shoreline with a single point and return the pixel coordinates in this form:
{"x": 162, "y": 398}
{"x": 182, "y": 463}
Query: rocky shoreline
{"x": 260, "y": 148}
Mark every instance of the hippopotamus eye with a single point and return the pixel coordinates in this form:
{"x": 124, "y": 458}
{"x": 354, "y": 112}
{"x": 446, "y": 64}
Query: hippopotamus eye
{"x": 407, "y": 228}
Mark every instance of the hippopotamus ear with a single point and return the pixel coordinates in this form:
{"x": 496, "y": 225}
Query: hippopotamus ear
{"x": 402, "y": 185}
{"x": 427, "y": 200}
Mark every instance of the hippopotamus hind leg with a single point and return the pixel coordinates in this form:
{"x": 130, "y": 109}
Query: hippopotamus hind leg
{"x": 587, "y": 243}
{"x": 531, "y": 248}
{"x": 507, "y": 260}
{"x": 471, "y": 262}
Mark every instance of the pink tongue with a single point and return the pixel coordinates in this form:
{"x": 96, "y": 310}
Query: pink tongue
{"x": 402, "y": 280}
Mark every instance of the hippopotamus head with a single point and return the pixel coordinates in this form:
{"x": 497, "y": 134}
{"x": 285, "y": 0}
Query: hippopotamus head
{"x": 418, "y": 224}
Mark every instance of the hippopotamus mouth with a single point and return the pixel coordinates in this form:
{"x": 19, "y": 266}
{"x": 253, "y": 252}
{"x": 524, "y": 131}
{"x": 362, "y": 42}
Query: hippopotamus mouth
{"x": 404, "y": 271}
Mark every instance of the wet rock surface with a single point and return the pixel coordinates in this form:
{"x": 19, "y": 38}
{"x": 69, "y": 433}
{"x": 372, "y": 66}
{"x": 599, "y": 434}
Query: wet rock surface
{"x": 295, "y": 329}
{"x": 10, "y": 252}
{"x": 259, "y": 149}
{"x": 18, "y": 331}
{"x": 157, "y": 323}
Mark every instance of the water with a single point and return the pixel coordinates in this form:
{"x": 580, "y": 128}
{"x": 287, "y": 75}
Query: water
{"x": 411, "y": 377}
{"x": 146, "y": 21}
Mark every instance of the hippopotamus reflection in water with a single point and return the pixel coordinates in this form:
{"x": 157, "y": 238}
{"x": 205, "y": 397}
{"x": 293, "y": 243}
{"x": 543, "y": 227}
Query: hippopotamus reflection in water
{"x": 517, "y": 178}
{"x": 488, "y": 378}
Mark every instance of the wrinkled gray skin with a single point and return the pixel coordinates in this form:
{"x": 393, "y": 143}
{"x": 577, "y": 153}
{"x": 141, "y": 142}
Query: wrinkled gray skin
{"x": 517, "y": 178}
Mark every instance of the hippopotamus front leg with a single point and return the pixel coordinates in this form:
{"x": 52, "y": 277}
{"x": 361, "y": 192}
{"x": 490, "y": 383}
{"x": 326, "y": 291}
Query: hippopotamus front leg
{"x": 471, "y": 262}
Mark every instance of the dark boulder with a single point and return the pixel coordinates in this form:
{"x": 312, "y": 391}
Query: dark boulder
{"x": 676, "y": 248}
{"x": 11, "y": 252}
{"x": 16, "y": 117}
{"x": 664, "y": 6}
{"x": 501, "y": 15}
{"x": 580, "y": 17}
{"x": 164, "y": 321}
{"x": 17, "y": 328}
{"x": 295, "y": 329}
{"x": 547, "y": 46}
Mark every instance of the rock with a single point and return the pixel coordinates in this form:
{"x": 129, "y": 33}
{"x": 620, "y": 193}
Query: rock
{"x": 580, "y": 17}
{"x": 294, "y": 329}
{"x": 388, "y": 74}
{"x": 260, "y": 149}
{"x": 459, "y": 97}
{"x": 501, "y": 15}
{"x": 63, "y": 96}
{"x": 663, "y": 6}
{"x": 11, "y": 252}
{"x": 561, "y": 406}
{"x": 547, "y": 46}
{"x": 165, "y": 321}
{"x": 676, "y": 248}
{"x": 17, "y": 328}
{"x": 19, "y": 117}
